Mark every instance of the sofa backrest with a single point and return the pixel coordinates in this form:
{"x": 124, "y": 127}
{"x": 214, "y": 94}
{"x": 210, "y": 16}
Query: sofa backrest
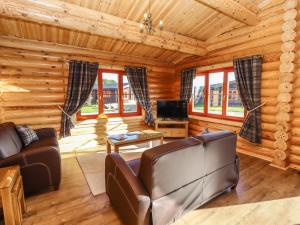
{"x": 220, "y": 149}
{"x": 10, "y": 142}
{"x": 168, "y": 167}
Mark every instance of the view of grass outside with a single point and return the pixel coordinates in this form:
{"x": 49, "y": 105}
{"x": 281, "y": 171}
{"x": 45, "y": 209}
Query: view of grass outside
{"x": 110, "y": 96}
{"x": 89, "y": 109}
{"x": 237, "y": 111}
{"x": 216, "y": 108}
{"x": 130, "y": 107}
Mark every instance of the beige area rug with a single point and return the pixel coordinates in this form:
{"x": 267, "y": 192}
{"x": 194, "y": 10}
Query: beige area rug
{"x": 93, "y": 165}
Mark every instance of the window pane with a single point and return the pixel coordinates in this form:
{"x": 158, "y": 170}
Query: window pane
{"x": 234, "y": 104}
{"x": 110, "y": 93}
{"x": 215, "y": 93}
{"x": 129, "y": 102}
{"x": 198, "y": 94}
{"x": 91, "y": 106}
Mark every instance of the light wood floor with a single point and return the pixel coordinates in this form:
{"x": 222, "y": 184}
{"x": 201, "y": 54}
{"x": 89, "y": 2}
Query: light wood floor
{"x": 73, "y": 203}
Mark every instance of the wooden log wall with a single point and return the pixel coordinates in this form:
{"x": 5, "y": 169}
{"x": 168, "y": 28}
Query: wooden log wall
{"x": 264, "y": 39}
{"x": 287, "y": 68}
{"x": 294, "y": 153}
{"x": 33, "y": 82}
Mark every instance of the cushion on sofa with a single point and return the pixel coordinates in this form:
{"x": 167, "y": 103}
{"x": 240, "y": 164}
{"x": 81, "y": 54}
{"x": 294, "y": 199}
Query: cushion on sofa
{"x": 45, "y": 142}
{"x": 10, "y": 142}
{"x": 27, "y": 134}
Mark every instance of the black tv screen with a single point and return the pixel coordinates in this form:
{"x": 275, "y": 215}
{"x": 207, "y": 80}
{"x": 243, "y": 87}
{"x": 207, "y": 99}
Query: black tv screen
{"x": 171, "y": 109}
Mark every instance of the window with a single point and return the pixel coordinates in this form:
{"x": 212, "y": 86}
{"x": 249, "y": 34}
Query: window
{"x": 215, "y": 94}
{"x": 91, "y": 106}
{"x": 234, "y": 105}
{"x": 111, "y": 95}
{"x": 129, "y": 102}
{"x": 199, "y": 94}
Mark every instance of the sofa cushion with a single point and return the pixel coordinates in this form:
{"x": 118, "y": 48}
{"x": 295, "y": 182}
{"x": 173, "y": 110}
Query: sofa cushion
{"x": 220, "y": 149}
{"x": 10, "y": 142}
{"x": 27, "y": 134}
{"x": 160, "y": 165}
{"x": 45, "y": 142}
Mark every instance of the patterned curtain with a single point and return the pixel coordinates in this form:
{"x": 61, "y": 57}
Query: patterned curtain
{"x": 186, "y": 87}
{"x": 82, "y": 76}
{"x": 137, "y": 78}
{"x": 248, "y": 77}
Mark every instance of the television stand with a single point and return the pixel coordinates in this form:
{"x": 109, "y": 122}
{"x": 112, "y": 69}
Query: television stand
{"x": 173, "y": 128}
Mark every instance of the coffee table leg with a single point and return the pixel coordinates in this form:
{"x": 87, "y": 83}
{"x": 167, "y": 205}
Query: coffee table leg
{"x": 108, "y": 147}
{"x": 161, "y": 140}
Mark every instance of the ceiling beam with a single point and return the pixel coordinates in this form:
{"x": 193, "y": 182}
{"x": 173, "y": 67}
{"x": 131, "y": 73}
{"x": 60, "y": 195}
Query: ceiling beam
{"x": 73, "y": 52}
{"x": 74, "y": 17}
{"x": 234, "y": 9}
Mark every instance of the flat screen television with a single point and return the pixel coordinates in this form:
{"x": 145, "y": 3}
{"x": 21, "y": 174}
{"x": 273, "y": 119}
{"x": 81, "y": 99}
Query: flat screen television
{"x": 172, "y": 109}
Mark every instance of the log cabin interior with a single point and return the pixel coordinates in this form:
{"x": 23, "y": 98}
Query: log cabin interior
{"x": 142, "y": 112}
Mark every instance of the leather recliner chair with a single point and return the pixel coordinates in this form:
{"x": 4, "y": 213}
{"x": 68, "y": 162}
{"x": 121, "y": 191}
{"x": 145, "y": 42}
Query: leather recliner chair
{"x": 172, "y": 179}
{"x": 40, "y": 161}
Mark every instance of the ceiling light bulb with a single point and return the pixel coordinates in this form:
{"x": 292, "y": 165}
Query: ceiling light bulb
{"x": 145, "y": 15}
{"x": 141, "y": 27}
{"x": 161, "y": 24}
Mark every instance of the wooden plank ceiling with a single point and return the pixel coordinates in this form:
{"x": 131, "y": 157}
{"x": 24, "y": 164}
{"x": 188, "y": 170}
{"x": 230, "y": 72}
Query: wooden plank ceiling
{"x": 185, "y": 17}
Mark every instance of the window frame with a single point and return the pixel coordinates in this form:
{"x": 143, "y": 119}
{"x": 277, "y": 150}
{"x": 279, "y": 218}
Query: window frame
{"x": 121, "y": 112}
{"x": 223, "y": 116}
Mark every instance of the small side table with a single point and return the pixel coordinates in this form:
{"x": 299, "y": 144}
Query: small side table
{"x": 12, "y": 195}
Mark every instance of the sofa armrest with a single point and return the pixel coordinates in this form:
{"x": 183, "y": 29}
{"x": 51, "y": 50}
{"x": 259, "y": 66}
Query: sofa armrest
{"x": 45, "y": 132}
{"x": 122, "y": 182}
{"x": 16, "y": 159}
{"x": 47, "y": 156}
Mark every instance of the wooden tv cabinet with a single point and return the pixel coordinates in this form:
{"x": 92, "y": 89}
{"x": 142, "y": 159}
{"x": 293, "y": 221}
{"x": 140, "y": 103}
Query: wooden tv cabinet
{"x": 173, "y": 128}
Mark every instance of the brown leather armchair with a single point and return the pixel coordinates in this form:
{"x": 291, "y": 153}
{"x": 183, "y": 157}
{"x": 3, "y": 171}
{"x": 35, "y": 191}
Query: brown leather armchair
{"x": 40, "y": 161}
{"x": 172, "y": 179}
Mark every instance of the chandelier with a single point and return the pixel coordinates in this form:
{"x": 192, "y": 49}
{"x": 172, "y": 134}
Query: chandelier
{"x": 147, "y": 23}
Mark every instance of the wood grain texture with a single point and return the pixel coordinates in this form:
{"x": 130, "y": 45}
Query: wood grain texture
{"x": 183, "y": 18}
{"x": 73, "y": 203}
{"x": 65, "y": 15}
{"x": 233, "y": 9}
{"x": 294, "y": 153}
{"x": 245, "y": 41}
{"x": 284, "y": 98}
{"x": 34, "y": 77}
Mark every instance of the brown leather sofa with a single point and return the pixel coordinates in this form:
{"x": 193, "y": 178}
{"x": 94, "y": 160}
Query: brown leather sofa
{"x": 39, "y": 161}
{"x": 172, "y": 179}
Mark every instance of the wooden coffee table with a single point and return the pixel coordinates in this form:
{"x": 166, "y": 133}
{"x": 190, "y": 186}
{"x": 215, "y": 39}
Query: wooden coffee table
{"x": 132, "y": 138}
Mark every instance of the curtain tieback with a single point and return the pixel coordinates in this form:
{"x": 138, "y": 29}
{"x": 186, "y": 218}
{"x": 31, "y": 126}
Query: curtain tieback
{"x": 257, "y": 107}
{"x": 61, "y": 109}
